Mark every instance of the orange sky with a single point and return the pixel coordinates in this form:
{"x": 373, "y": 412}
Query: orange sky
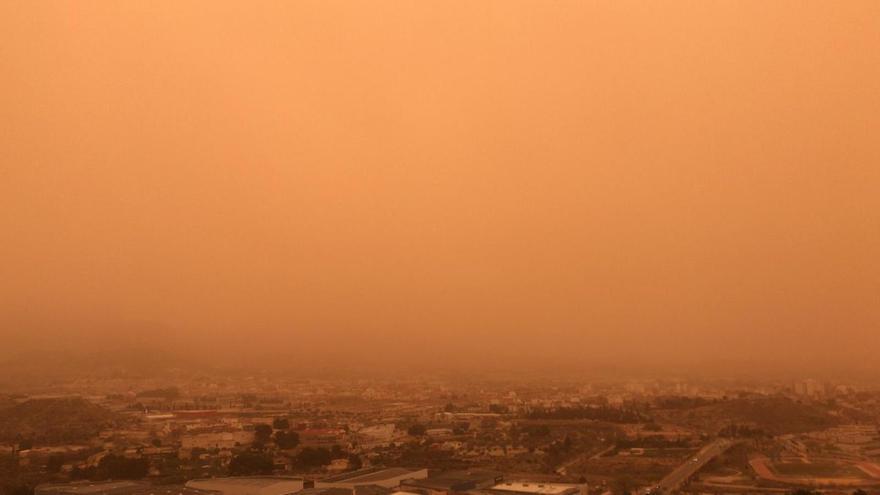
{"x": 629, "y": 180}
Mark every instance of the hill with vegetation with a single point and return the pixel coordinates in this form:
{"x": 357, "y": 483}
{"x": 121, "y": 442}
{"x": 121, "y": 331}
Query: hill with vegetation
{"x": 771, "y": 415}
{"x": 53, "y": 421}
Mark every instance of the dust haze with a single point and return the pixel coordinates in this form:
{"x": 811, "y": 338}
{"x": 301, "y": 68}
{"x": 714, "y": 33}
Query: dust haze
{"x": 681, "y": 185}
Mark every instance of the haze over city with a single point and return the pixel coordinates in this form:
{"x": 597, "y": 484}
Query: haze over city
{"x": 674, "y": 185}
{"x": 483, "y": 247}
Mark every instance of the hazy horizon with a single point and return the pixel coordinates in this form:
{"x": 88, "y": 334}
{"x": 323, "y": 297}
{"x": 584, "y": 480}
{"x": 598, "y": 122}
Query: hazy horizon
{"x": 664, "y": 186}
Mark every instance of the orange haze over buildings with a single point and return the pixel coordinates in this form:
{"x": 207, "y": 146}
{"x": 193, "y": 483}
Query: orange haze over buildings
{"x": 438, "y": 182}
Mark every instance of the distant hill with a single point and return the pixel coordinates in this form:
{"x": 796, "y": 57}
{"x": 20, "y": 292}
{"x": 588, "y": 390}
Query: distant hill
{"x": 54, "y": 421}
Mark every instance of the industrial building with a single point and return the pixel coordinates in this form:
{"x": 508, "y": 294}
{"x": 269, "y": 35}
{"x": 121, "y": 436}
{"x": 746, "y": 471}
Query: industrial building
{"x": 383, "y": 477}
{"x": 532, "y": 488}
{"x": 116, "y": 488}
{"x": 250, "y": 485}
{"x": 453, "y": 482}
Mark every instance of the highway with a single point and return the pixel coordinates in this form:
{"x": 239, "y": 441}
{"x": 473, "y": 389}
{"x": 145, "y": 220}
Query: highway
{"x": 674, "y": 480}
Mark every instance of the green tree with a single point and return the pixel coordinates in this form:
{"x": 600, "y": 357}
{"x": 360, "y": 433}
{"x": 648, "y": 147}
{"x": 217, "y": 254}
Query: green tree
{"x": 417, "y": 430}
{"x": 281, "y": 423}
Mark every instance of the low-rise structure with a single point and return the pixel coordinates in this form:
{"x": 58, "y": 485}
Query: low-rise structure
{"x": 384, "y": 477}
{"x": 116, "y": 488}
{"x": 532, "y": 488}
{"x": 251, "y": 485}
{"x": 452, "y": 482}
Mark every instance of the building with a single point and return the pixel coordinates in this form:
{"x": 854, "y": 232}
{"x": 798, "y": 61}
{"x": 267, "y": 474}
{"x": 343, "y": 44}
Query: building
{"x": 218, "y": 440}
{"x": 532, "y": 488}
{"x": 116, "y": 488}
{"x": 321, "y": 437}
{"x": 325, "y": 491}
{"x": 376, "y": 435}
{"x": 358, "y": 490}
{"x": 453, "y": 482}
{"x": 250, "y": 485}
{"x": 383, "y": 477}
{"x": 809, "y": 387}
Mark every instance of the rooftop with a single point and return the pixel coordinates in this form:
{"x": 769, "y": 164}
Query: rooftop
{"x": 116, "y": 488}
{"x": 248, "y": 480}
{"x": 540, "y": 488}
{"x": 458, "y": 480}
{"x": 366, "y": 476}
{"x": 88, "y": 487}
{"x": 325, "y": 491}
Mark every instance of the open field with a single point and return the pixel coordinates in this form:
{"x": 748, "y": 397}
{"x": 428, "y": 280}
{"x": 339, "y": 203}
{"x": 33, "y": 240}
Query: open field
{"x": 821, "y": 473}
{"x": 641, "y": 470}
{"x": 818, "y": 470}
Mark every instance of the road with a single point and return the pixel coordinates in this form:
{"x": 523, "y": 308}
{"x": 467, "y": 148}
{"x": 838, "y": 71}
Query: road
{"x": 563, "y": 470}
{"x": 690, "y": 467}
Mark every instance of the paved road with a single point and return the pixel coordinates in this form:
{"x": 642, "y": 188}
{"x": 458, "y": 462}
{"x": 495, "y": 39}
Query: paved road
{"x": 563, "y": 470}
{"x": 696, "y": 462}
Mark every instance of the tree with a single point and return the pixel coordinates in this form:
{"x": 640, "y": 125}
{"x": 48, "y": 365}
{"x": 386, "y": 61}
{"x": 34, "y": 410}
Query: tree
{"x": 537, "y": 431}
{"x": 16, "y": 488}
{"x": 122, "y": 468}
{"x": 623, "y": 485}
{"x": 336, "y": 452}
{"x": 161, "y": 393}
{"x": 355, "y": 462}
{"x": 488, "y": 423}
{"x": 82, "y": 474}
{"x": 286, "y": 439}
{"x": 313, "y": 457}
{"x": 53, "y": 465}
{"x": 262, "y": 434}
{"x": 417, "y": 430}
{"x": 281, "y": 423}
{"x": 250, "y": 463}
